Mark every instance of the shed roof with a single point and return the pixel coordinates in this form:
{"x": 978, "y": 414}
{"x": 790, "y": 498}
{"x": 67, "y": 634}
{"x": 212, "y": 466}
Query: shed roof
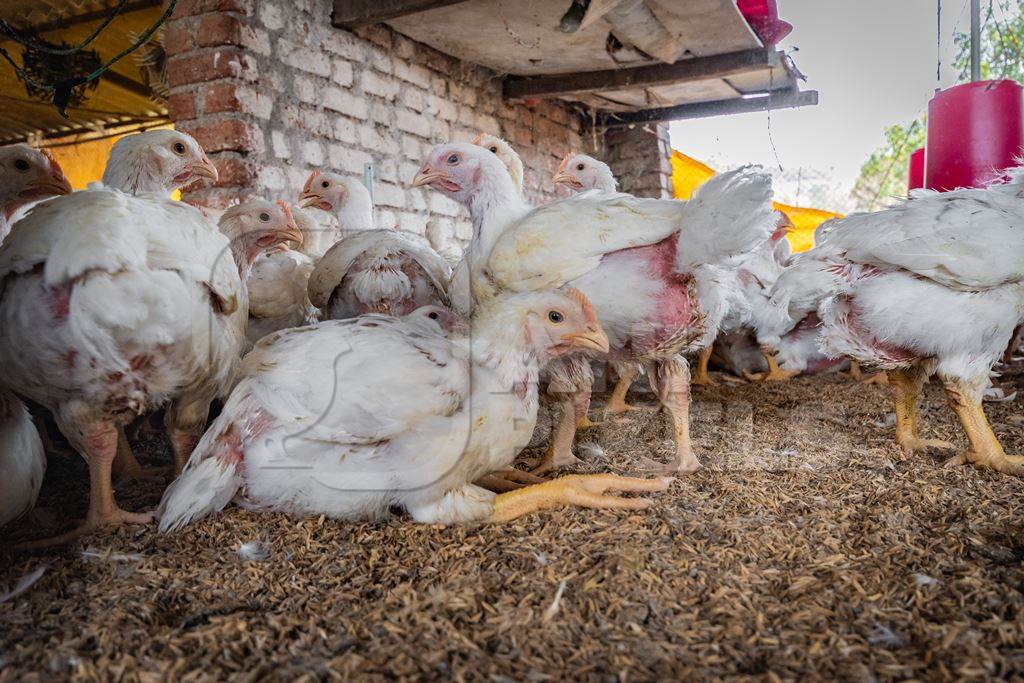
{"x": 121, "y": 97}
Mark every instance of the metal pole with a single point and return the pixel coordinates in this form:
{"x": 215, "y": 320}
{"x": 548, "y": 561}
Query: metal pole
{"x": 368, "y": 178}
{"x": 975, "y": 40}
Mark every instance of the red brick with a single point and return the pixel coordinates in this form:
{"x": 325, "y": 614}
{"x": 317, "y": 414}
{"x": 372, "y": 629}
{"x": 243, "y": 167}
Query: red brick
{"x": 220, "y": 97}
{"x": 199, "y": 68}
{"x": 181, "y": 106}
{"x": 233, "y": 172}
{"x": 189, "y": 8}
{"x": 178, "y": 38}
{"x": 219, "y": 29}
{"x": 224, "y": 135}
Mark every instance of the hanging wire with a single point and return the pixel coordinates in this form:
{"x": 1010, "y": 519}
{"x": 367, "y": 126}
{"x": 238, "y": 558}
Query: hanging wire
{"x": 17, "y": 36}
{"x": 62, "y": 91}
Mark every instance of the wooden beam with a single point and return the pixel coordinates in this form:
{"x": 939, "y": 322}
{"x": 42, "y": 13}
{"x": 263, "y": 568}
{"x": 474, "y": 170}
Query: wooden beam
{"x": 350, "y": 14}
{"x": 86, "y": 17}
{"x": 780, "y": 99}
{"x": 129, "y": 84}
{"x": 683, "y": 71}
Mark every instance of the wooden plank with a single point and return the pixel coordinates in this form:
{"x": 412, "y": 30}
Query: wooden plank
{"x": 350, "y": 14}
{"x": 685, "y": 70}
{"x": 86, "y": 18}
{"x": 784, "y": 99}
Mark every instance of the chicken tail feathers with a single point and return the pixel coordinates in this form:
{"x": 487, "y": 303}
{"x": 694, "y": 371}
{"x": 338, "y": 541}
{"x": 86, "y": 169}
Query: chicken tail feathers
{"x": 728, "y": 216}
{"x": 214, "y": 472}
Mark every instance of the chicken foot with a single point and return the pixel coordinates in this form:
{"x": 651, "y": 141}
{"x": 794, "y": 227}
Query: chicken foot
{"x": 559, "y": 453}
{"x": 508, "y": 480}
{"x": 906, "y": 388}
{"x": 775, "y": 373}
{"x": 616, "y": 405}
{"x": 702, "y": 378}
{"x": 185, "y": 422}
{"x": 856, "y": 375}
{"x": 673, "y": 384}
{"x": 985, "y": 451}
{"x": 582, "y": 490}
{"x": 126, "y": 465}
{"x": 97, "y": 442}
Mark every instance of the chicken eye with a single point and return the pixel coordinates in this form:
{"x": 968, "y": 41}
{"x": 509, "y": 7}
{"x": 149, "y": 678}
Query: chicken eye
{"x": 179, "y": 147}
{"x": 21, "y": 165}
{"x": 325, "y": 184}
{"x": 264, "y": 216}
{"x": 493, "y": 149}
{"x": 433, "y": 315}
{"x": 579, "y": 167}
{"x": 555, "y": 317}
{"x": 453, "y": 159}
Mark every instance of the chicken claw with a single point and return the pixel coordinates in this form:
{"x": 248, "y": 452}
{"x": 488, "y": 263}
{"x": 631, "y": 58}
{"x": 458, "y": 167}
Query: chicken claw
{"x": 508, "y": 480}
{"x": 582, "y": 490}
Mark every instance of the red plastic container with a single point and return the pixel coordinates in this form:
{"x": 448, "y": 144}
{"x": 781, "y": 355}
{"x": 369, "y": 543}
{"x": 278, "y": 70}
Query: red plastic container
{"x": 763, "y": 17}
{"x": 974, "y": 131}
{"x": 915, "y": 178}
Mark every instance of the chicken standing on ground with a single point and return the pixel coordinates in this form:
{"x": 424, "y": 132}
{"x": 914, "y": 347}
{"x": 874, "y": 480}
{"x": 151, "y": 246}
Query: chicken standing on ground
{"x": 569, "y": 380}
{"x": 582, "y": 173}
{"x": 139, "y": 308}
{"x": 26, "y": 175}
{"x": 423, "y": 417}
{"x": 371, "y": 271}
{"x": 931, "y": 285}
{"x": 658, "y": 271}
{"x": 788, "y": 347}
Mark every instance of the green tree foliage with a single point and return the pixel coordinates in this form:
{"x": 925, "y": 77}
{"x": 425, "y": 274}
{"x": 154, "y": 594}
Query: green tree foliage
{"x": 1002, "y": 43}
{"x": 884, "y": 174}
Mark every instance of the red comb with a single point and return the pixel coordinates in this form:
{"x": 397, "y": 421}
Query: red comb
{"x": 287, "y": 211}
{"x": 565, "y": 161}
{"x": 309, "y": 180}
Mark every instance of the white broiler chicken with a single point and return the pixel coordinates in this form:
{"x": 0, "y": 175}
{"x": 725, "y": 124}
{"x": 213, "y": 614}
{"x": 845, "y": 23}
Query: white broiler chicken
{"x": 934, "y": 285}
{"x": 659, "y": 272}
{"x": 26, "y": 175}
{"x": 157, "y": 162}
{"x": 508, "y": 156}
{"x": 788, "y": 347}
{"x": 582, "y": 173}
{"x": 113, "y": 305}
{"x": 443, "y": 242}
{"x": 423, "y": 417}
{"x": 370, "y": 271}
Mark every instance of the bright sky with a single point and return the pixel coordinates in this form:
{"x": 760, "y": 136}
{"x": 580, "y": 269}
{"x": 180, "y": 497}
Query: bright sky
{"x": 872, "y": 63}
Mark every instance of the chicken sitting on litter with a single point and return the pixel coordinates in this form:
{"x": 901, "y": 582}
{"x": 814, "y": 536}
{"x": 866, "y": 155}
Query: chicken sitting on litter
{"x": 423, "y": 416}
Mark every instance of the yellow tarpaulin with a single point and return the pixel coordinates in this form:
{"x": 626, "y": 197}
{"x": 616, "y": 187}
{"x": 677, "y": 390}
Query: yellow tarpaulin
{"x": 688, "y": 174}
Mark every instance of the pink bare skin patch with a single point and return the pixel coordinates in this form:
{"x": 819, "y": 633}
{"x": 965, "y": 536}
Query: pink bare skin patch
{"x": 60, "y": 301}
{"x": 675, "y": 309}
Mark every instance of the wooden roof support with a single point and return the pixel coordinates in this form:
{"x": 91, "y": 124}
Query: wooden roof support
{"x": 350, "y": 14}
{"x": 682, "y": 71}
{"x": 779, "y": 99}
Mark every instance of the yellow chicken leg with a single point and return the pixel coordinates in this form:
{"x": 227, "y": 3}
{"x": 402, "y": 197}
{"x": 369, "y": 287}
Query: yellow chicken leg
{"x": 775, "y": 373}
{"x": 701, "y": 377}
{"x": 906, "y": 388}
{"x": 583, "y": 490}
{"x": 617, "y": 401}
{"x": 985, "y": 452}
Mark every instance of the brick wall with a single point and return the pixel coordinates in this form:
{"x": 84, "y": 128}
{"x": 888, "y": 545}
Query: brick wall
{"x": 272, "y": 91}
{"x": 640, "y": 158}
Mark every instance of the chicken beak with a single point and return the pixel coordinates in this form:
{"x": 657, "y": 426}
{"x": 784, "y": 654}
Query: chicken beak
{"x": 426, "y": 176}
{"x": 309, "y": 199}
{"x": 594, "y": 339}
{"x": 562, "y": 177}
{"x": 205, "y": 169}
